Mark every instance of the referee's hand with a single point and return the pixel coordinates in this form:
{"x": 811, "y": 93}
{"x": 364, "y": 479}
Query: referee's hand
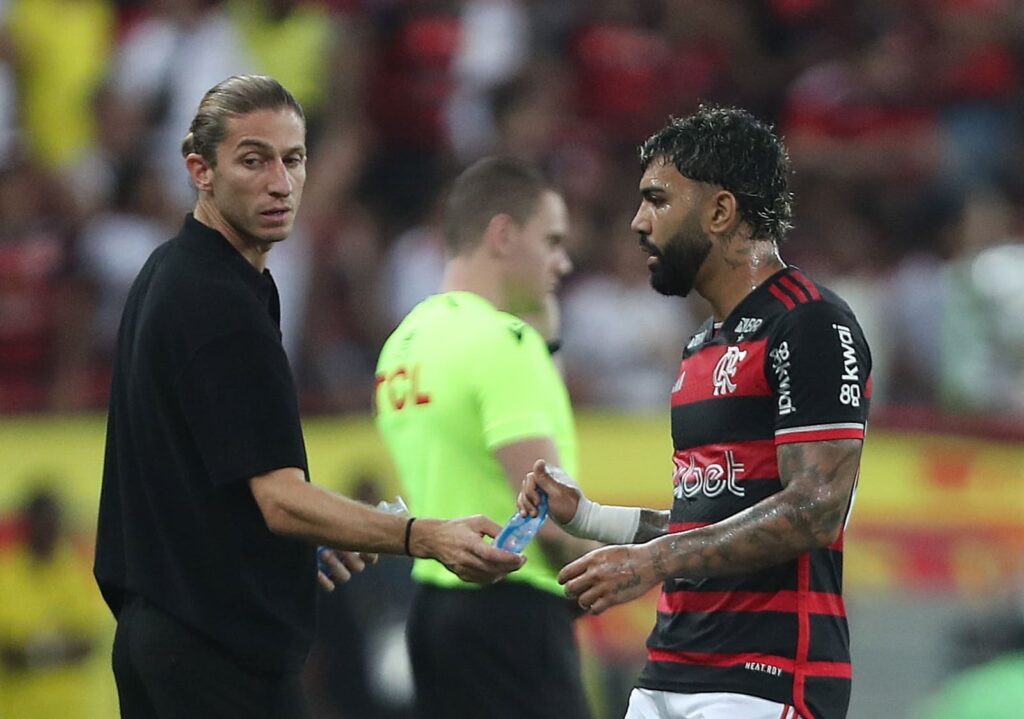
{"x": 459, "y": 545}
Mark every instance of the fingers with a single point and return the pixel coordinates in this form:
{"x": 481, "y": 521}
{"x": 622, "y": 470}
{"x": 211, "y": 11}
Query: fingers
{"x": 545, "y": 477}
{"x": 573, "y": 569}
{"x": 578, "y": 587}
{"x": 325, "y": 582}
{"x": 333, "y": 566}
{"x": 484, "y": 526}
{"x": 461, "y": 548}
{"x": 369, "y": 557}
{"x": 498, "y": 558}
{"x": 529, "y": 500}
{"x": 585, "y": 591}
{"x": 339, "y": 565}
{"x": 584, "y": 587}
{"x": 593, "y": 603}
{"x": 352, "y": 561}
{"x": 486, "y": 565}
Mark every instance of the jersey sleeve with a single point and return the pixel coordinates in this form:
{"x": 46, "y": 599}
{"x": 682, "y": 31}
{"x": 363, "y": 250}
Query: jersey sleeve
{"x": 819, "y": 366}
{"x": 511, "y": 366}
{"x": 239, "y": 402}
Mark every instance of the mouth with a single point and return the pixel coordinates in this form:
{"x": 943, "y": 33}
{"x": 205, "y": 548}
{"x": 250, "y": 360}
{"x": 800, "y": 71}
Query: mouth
{"x": 648, "y": 247}
{"x": 277, "y": 214}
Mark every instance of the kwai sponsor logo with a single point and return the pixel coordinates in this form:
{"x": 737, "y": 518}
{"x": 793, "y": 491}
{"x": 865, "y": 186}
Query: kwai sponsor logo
{"x": 849, "y": 390}
{"x": 780, "y": 357}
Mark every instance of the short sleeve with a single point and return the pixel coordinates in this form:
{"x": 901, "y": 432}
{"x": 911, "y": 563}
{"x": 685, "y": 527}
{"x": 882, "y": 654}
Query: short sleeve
{"x": 511, "y": 366}
{"x": 818, "y": 366}
{"x": 239, "y": 403}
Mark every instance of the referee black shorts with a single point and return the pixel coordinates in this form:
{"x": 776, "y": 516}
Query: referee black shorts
{"x": 165, "y": 670}
{"x": 506, "y": 651}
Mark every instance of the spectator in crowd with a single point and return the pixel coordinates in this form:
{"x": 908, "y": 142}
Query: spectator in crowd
{"x": 883, "y": 106}
{"x": 51, "y": 619}
{"x": 60, "y": 49}
{"x": 166, "y": 61}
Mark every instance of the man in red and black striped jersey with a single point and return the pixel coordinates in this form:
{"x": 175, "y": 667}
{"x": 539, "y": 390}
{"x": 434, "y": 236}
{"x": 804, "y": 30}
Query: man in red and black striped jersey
{"x": 768, "y": 418}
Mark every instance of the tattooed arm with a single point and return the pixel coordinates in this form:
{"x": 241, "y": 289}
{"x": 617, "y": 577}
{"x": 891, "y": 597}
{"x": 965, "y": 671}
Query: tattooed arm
{"x": 653, "y": 524}
{"x": 808, "y": 512}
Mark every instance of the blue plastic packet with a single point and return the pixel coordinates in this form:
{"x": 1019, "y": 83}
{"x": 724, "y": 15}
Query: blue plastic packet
{"x": 397, "y": 507}
{"x": 520, "y": 530}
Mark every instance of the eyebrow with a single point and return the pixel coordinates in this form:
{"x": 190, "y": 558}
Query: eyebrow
{"x": 265, "y": 146}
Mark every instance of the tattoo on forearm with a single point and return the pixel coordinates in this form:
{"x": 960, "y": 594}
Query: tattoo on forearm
{"x": 806, "y": 514}
{"x": 658, "y": 561}
{"x": 653, "y": 524}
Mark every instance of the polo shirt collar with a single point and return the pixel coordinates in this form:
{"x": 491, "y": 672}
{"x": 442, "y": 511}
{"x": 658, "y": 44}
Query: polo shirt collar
{"x": 207, "y": 241}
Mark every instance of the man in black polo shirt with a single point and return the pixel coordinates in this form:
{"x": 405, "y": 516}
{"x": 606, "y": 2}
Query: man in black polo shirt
{"x": 204, "y": 549}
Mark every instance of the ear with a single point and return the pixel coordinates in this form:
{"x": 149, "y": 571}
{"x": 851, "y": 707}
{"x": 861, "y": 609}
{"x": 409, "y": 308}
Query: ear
{"x": 500, "y": 235}
{"x": 723, "y": 215}
{"x": 200, "y": 171}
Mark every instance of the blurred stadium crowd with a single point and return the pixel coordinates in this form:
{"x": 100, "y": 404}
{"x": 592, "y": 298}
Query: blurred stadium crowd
{"x": 903, "y": 118}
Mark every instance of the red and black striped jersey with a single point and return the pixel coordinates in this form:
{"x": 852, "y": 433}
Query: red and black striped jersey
{"x": 790, "y": 364}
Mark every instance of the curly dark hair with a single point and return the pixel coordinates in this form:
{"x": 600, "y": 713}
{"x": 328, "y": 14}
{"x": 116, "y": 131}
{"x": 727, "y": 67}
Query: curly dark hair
{"x": 728, "y": 146}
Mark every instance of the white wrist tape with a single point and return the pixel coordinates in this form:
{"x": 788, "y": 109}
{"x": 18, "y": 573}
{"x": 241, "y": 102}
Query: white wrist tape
{"x": 611, "y": 525}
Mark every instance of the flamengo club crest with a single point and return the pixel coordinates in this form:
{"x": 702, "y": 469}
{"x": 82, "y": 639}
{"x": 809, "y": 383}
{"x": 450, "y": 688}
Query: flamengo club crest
{"x": 725, "y": 370}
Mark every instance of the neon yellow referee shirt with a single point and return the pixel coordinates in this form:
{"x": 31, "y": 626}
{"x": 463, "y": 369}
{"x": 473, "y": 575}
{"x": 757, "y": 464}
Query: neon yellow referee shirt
{"x": 457, "y": 380}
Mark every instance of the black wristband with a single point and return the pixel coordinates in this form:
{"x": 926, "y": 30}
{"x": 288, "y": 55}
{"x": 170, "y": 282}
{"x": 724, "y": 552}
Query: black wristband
{"x": 408, "y": 535}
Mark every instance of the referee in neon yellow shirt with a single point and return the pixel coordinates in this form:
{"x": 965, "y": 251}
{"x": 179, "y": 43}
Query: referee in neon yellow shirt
{"x": 467, "y": 398}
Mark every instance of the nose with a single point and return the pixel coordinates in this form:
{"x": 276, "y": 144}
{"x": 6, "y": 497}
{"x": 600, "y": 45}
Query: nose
{"x": 641, "y": 223}
{"x": 564, "y": 265}
{"x": 280, "y": 181}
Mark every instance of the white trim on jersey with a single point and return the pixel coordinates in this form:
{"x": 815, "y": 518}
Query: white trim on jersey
{"x": 819, "y": 428}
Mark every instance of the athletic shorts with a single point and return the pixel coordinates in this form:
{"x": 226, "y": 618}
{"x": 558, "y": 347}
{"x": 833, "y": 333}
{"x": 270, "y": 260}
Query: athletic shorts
{"x": 653, "y": 704}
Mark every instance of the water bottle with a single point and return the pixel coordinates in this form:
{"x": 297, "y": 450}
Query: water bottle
{"x": 520, "y": 530}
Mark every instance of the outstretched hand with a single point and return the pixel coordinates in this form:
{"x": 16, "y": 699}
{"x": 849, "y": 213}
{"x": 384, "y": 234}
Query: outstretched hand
{"x": 563, "y": 493}
{"x": 459, "y": 545}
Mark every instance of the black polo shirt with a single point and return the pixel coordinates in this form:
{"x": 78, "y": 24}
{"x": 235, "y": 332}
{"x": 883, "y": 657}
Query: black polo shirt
{"x": 202, "y": 400}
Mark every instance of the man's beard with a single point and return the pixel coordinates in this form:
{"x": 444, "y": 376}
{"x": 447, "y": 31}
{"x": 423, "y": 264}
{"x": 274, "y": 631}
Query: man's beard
{"x": 679, "y": 260}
